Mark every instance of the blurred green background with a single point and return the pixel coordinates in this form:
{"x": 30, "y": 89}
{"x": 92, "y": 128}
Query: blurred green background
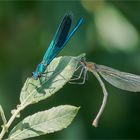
{"x": 109, "y": 36}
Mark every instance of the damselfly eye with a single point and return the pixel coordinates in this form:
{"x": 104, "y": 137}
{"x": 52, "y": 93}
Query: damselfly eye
{"x": 39, "y": 76}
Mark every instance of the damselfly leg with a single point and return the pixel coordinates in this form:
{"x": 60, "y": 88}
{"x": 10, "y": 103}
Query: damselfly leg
{"x": 82, "y": 75}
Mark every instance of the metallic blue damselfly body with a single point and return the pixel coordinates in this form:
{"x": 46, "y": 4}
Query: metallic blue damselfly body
{"x": 59, "y": 41}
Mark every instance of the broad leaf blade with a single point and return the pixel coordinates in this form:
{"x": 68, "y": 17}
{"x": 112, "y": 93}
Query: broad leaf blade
{"x": 59, "y": 72}
{"x": 122, "y": 80}
{"x": 45, "y": 122}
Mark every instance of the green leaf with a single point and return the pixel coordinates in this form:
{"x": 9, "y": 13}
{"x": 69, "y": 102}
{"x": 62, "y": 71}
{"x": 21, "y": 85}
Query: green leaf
{"x": 58, "y": 73}
{"x": 49, "y": 121}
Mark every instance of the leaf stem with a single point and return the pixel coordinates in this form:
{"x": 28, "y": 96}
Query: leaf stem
{"x": 8, "y": 124}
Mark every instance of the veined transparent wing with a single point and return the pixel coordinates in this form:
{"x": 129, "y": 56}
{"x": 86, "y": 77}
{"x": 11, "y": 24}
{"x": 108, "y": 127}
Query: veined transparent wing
{"x": 122, "y": 80}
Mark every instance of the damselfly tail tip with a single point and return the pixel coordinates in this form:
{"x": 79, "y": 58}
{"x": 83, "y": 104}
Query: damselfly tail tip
{"x": 95, "y": 123}
{"x": 81, "y": 20}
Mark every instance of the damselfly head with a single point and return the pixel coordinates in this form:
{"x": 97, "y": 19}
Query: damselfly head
{"x": 90, "y": 66}
{"x": 35, "y": 75}
{"x": 83, "y": 61}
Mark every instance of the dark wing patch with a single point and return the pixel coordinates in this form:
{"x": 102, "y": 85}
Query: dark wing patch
{"x": 63, "y": 31}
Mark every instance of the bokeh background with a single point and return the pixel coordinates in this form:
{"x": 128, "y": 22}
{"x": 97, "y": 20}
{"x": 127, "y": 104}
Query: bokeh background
{"x": 110, "y": 36}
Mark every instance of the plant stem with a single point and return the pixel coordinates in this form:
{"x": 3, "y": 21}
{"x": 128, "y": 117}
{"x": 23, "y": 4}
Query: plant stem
{"x": 8, "y": 124}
